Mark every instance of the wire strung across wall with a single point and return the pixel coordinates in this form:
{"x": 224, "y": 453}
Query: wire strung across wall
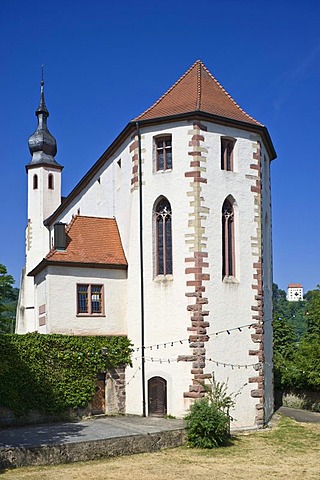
{"x": 219, "y": 363}
{"x": 135, "y": 373}
{"x": 209, "y": 334}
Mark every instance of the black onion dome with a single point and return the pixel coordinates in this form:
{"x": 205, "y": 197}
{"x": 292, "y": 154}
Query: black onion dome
{"x": 42, "y": 145}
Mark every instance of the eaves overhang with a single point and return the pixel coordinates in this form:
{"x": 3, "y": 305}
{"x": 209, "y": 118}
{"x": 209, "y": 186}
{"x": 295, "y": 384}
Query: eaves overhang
{"x": 131, "y": 127}
{"x": 52, "y": 166}
{"x": 102, "y": 266}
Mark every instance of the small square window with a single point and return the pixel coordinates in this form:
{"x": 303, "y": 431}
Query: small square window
{"x": 90, "y": 299}
{"x": 163, "y": 153}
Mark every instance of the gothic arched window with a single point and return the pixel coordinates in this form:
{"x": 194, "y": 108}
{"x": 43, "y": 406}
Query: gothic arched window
{"x": 163, "y": 237}
{"x": 228, "y": 254}
{"x": 227, "y": 146}
{"x": 50, "y": 181}
{"x": 35, "y": 182}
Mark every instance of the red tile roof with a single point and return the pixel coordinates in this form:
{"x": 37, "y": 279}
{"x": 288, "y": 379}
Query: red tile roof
{"x": 294, "y": 285}
{"x": 91, "y": 240}
{"x": 197, "y": 90}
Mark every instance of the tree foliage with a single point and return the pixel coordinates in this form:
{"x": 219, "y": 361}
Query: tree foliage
{"x": 8, "y": 301}
{"x": 297, "y": 341}
{"x": 53, "y": 373}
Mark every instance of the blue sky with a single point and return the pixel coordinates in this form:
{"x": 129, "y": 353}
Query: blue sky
{"x": 106, "y": 62}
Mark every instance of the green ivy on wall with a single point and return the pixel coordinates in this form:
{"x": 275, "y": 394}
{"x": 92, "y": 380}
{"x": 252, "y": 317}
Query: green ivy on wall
{"x": 52, "y": 373}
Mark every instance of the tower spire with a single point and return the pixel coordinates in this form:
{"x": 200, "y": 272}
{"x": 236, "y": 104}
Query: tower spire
{"x": 42, "y": 104}
{"x": 42, "y": 145}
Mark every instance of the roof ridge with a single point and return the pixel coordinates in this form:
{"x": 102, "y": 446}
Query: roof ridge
{"x": 169, "y": 89}
{"x": 199, "y": 85}
{"x": 228, "y": 94}
{"x": 92, "y": 216}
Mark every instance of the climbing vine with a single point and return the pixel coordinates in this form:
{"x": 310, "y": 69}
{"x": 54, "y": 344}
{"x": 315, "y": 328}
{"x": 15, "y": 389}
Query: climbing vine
{"x": 53, "y": 373}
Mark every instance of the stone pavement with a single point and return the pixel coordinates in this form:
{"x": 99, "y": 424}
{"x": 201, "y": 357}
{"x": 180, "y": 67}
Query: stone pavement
{"x": 97, "y": 437}
{"x": 95, "y": 428}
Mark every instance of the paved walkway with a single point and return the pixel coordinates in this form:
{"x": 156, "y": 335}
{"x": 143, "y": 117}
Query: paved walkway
{"x": 98, "y": 437}
{"x": 95, "y": 428}
{"x": 100, "y": 428}
{"x": 304, "y": 416}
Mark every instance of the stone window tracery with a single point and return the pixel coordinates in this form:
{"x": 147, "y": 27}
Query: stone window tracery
{"x": 163, "y": 230}
{"x": 228, "y": 243}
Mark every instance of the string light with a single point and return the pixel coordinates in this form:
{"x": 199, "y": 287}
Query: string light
{"x": 209, "y": 334}
{"x": 218, "y": 363}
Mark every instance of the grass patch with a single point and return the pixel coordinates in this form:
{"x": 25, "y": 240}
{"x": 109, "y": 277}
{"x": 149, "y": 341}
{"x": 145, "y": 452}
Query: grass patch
{"x": 289, "y": 450}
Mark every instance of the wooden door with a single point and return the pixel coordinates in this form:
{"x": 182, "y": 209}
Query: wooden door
{"x": 157, "y": 397}
{"x": 98, "y": 403}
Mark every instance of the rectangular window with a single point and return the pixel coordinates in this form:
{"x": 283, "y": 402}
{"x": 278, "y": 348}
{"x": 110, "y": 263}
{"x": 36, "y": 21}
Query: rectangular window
{"x": 163, "y": 153}
{"x": 90, "y": 299}
{"x": 227, "y": 146}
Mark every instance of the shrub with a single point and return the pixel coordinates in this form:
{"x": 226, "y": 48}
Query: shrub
{"x": 207, "y": 426}
{"x": 208, "y": 422}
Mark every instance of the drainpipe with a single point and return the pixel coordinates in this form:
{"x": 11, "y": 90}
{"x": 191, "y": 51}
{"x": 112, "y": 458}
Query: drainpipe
{"x": 141, "y": 277}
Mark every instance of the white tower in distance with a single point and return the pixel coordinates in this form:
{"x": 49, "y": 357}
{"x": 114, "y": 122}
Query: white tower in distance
{"x": 294, "y": 292}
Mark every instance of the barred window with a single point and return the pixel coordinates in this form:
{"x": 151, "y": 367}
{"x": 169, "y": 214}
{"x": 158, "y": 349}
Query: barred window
{"x": 90, "y": 299}
{"x": 163, "y": 238}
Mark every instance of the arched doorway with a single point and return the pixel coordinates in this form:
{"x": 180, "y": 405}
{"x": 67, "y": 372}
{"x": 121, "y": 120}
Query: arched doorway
{"x": 157, "y": 397}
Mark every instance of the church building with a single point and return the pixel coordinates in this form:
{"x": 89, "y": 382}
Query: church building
{"x": 166, "y": 239}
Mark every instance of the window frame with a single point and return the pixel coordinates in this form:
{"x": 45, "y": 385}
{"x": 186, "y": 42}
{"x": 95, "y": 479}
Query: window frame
{"x": 228, "y": 240}
{"x": 163, "y": 139}
{"x": 227, "y": 161}
{"x": 164, "y": 267}
{"x": 89, "y": 312}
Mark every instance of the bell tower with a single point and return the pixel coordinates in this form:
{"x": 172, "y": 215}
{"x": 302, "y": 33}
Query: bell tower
{"x": 44, "y": 197}
{"x": 44, "y": 185}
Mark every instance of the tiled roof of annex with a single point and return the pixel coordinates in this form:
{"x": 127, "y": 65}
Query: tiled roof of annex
{"x": 197, "y": 90}
{"x": 294, "y": 285}
{"x": 91, "y": 240}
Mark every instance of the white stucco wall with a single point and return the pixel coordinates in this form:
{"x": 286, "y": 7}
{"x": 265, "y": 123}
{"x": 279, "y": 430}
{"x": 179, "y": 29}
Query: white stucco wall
{"x": 42, "y": 202}
{"x": 165, "y": 302}
{"x": 59, "y": 293}
{"x": 267, "y": 284}
{"x": 166, "y": 316}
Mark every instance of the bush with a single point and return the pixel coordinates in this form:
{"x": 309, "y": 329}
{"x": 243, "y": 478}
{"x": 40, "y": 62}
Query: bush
{"x": 208, "y": 422}
{"x": 207, "y": 425}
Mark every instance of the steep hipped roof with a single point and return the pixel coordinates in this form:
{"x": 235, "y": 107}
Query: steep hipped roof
{"x": 197, "y": 94}
{"x": 91, "y": 242}
{"x": 197, "y": 91}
